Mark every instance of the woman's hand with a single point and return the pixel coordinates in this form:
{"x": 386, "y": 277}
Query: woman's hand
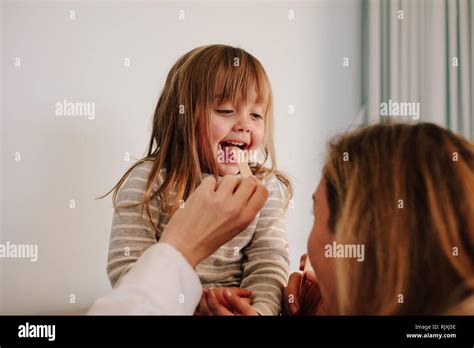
{"x": 203, "y": 307}
{"x": 309, "y": 301}
{"x": 213, "y": 215}
{"x": 235, "y": 304}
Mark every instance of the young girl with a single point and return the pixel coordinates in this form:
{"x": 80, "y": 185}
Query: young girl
{"x": 215, "y": 97}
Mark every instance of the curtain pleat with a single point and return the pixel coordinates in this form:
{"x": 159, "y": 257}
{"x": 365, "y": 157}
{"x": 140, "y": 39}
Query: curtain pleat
{"x": 426, "y": 57}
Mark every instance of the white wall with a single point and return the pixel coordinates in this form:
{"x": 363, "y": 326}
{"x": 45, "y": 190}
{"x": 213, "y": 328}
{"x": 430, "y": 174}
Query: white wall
{"x": 64, "y": 158}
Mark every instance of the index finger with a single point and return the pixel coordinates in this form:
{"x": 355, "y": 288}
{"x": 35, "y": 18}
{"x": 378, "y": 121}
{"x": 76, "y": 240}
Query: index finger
{"x": 227, "y": 185}
{"x": 242, "y": 292}
{"x": 214, "y": 305}
{"x": 292, "y": 289}
{"x": 203, "y": 306}
{"x": 241, "y": 306}
{"x": 255, "y": 203}
{"x": 246, "y": 188}
{"x": 208, "y": 184}
{"x": 303, "y": 261}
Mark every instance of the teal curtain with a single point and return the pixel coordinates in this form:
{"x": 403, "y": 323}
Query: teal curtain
{"x": 420, "y": 51}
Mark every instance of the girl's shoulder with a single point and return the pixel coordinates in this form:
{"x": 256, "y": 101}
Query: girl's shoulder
{"x": 271, "y": 181}
{"x": 277, "y": 189}
{"x": 142, "y": 170}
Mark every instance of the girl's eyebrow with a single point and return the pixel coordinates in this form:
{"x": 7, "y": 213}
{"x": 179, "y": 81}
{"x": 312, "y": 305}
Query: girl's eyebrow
{"x": 262, "y": 105}
{"x": 219, "y": 99}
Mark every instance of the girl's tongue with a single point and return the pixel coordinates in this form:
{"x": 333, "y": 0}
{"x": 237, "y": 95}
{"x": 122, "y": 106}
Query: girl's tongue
{"x": 229, "y": 154}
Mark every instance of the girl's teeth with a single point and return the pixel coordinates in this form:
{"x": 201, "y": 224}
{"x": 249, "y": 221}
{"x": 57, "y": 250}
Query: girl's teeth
{"x": 235, "y": 143}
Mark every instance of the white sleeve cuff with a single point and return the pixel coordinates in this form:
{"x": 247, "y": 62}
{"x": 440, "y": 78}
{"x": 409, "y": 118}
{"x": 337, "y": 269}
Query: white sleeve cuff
{"x": 160, "y": 282}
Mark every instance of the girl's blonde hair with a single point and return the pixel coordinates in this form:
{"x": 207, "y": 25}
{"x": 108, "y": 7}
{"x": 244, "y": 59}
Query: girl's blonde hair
{"x": 406, "y": 193}
{"x": 181, "y": 139}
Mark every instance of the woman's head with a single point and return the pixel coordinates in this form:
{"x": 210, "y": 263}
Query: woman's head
{"x": 401, "y": 194}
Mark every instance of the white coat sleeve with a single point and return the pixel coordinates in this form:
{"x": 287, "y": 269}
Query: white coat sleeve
{"x": 160, "y": 282}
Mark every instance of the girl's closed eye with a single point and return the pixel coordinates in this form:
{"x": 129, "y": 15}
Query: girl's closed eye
{"x": 228, "y": 112}
{"x": 225, "y": 111}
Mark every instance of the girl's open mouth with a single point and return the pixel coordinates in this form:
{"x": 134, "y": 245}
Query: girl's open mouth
{"x": 227, "y": 155}
{"x": 231, "y": 143}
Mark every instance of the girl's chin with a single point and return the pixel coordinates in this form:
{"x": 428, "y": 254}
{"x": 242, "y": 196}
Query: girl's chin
{"x": 226, "y": 169}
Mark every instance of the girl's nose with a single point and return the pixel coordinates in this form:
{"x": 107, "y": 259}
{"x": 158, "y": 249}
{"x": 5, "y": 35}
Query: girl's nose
{"x": 242, "y": 125}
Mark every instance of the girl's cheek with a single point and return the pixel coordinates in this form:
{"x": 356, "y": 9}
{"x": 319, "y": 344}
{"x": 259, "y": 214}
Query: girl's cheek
{"x": 257, "y": 138}
{"x": 218, "y": 131}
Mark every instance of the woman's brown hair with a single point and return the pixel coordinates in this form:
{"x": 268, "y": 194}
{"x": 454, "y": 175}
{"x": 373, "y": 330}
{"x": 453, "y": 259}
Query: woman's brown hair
{"x": 406, "y": 193}
{"x": 181, "y": 141}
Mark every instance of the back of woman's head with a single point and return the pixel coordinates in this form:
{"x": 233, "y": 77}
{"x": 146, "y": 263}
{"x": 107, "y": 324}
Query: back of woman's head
{"x": 406, "y": 193}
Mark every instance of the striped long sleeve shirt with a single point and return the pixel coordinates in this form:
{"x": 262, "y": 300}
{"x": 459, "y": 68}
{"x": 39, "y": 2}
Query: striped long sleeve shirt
{"x": 256, "y": 259}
